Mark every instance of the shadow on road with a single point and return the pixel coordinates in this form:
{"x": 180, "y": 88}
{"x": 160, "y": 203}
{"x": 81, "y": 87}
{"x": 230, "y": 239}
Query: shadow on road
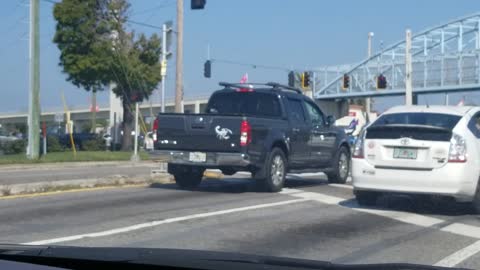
{"x": 243, "y": 184}
{"x": 417, "y": 204}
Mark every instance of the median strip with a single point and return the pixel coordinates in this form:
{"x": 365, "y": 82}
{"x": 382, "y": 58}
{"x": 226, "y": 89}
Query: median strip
{"x": 55, "y": 187}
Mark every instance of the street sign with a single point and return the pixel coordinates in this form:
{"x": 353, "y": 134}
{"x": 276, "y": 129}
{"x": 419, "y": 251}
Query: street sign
{"x": 59, "y": 117}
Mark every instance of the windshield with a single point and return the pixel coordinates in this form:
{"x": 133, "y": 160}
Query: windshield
{"x": 248, "y": 103}
{"x": 211, "y": 131}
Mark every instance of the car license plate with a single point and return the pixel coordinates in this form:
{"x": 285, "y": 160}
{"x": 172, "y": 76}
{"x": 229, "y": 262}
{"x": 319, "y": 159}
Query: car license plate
{"x": 197, "y": 157}
{"x": 405, "y": 153}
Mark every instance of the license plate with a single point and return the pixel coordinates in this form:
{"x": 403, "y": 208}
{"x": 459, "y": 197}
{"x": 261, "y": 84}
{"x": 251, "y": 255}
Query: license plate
{"x": 197, "y": 157}
{"x": 405, "y": 153}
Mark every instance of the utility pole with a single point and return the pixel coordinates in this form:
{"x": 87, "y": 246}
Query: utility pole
{"x": 94, "y": 111}
{"x": 368, "y": 104}
{"x": 408, "y": 68}
{"x": 135, "y": 157}
{"x": 164, "y": 65}
{"x": 34, "y": 95}
{"x": 179, "y": 61}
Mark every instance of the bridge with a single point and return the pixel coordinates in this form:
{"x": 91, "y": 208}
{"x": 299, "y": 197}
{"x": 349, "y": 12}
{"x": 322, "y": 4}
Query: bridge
{"x": 445, "y": 58}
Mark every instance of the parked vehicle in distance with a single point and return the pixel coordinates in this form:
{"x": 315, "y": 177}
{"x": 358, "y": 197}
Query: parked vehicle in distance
{"x": 432, "y": 150}
{"x": 266, "y": 129}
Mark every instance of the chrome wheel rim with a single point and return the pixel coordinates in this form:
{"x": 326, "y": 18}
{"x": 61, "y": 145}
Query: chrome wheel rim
{"x": 278, "y": 170}
{"x": 343, "y": 165}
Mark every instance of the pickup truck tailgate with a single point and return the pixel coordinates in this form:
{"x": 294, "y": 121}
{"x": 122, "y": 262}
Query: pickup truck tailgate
{"x": 198, "y": 132}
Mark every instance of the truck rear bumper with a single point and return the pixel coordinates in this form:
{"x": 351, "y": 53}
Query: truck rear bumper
{"x": 213, "y": 159}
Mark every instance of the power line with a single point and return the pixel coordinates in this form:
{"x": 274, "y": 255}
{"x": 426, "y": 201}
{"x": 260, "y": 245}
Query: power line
{"x": 129, "y": 21}
{"x": 251, "y": 65}
{"x": 145, "y": 24}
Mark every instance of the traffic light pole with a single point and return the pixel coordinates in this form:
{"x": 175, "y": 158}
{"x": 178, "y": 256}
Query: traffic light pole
{"x": 33, "y": 148}
{"x": 179, "y": 60}
{"x": 368, "y": 101}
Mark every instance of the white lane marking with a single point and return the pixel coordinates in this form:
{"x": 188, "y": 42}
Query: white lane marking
{"x": 290, "y": 191}
{"x": 160, "y": 222}
{"x": 463, "y": 229}
{"x": 318, "y": 197}
{"x": 405, "y": 217}
{"x": 460, "y": 255}
{"x": 341, "y": 186}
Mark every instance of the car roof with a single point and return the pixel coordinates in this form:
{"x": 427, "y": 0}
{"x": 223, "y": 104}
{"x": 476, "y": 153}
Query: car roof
{"x": 455, "y": 110}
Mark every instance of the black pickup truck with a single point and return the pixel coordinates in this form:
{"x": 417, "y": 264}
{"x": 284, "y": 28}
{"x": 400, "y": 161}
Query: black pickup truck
{"x": 266, "y": 129}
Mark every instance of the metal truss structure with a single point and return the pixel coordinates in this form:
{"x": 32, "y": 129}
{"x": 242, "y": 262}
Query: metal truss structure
{"x": 445, "y": 58}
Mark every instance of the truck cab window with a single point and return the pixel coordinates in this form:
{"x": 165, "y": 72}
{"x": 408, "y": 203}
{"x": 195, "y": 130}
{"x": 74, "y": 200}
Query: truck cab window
{"x": 315, "y": 114}
{"x": 296, "y": 111}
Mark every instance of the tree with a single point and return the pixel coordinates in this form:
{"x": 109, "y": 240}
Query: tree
{"x": 97, "y": 49}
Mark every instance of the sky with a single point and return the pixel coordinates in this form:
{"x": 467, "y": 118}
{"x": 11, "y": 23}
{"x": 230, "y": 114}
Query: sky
{"x": 299, "y": 34}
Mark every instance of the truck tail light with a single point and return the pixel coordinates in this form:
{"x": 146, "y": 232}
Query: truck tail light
{"x": 358, "y": 151}
{"x": 245, "y": 133}
{"x": 458, "y": 149}
{"x": 155, "y": 128}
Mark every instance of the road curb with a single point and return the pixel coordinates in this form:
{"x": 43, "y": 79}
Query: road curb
{"x": 79, "y": 184}
{"x": 54, "y": 165}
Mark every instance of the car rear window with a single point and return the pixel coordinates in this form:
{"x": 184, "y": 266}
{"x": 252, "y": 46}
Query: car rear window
{"x": 439, "y": 120}
{"x": 419, "y": 126}
{"x": 247, "y": 103}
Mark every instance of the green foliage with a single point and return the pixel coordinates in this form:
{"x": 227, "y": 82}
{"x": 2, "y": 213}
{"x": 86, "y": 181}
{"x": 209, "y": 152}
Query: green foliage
{"x": 14, "y": 147}
{"x": 94, "y": 145}
{"x": 53, "y": 145}
{"x": 95, "y": 49}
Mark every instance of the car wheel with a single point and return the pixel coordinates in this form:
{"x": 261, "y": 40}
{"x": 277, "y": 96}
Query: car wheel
{"x": 188, "y": 180}
{"x": 366, "y": 198}
{"x": 476, "y": 200}
{"x": 341, "y": 167}
{"x": 276, "y": 170}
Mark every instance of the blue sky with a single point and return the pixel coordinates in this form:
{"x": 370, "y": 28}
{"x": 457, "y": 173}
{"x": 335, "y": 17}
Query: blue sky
{"x": 287, "y": 33}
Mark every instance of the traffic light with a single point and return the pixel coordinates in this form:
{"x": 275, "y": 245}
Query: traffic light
{"x": 381, "y": 82}
{"x": 207, "y": 69}
{"x": 346, "y": 82}
{"x": 305, "y": 79}
{"x": 198, "y": 4}
{"x": 291, "y": 79}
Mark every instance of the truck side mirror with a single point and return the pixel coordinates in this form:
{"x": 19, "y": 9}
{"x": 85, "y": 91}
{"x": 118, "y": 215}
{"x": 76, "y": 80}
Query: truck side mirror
{"x": 330, "y": 120}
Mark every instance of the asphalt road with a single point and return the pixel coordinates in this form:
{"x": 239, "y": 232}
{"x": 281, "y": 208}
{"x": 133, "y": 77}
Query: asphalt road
{"x": 32, "y": 174}
{"x": 309, "y": 219}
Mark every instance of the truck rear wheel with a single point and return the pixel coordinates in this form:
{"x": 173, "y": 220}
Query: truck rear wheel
{"x": 275, "y": 170}
{"x": 188, "y": 180}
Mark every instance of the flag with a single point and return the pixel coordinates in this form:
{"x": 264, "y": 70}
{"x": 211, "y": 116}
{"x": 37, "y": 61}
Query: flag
{"x": 244, "y": 78}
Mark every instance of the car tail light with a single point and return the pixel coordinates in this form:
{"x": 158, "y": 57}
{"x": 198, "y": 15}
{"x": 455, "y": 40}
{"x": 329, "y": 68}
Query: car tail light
{"x": 458, "y": 149}
{"x": 358, "y": 151}
{"x": 155, "y": 128}
{"x": 244, "y": 90}
{"x": 245, "y": 133}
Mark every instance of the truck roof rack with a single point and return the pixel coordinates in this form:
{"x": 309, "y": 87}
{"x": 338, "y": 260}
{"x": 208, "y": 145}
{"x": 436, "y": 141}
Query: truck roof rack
{"x": 274, "y": 85}
{"x": 278, "y": 85}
